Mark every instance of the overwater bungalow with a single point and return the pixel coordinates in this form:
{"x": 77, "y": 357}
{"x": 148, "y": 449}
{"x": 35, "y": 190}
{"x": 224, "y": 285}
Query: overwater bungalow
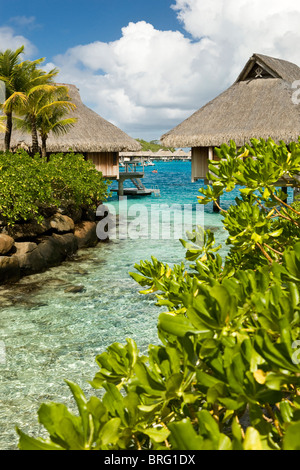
{"x": 260, "y": 104}
{"x": 97, "y": 139}
{"x": 161, "y": 155}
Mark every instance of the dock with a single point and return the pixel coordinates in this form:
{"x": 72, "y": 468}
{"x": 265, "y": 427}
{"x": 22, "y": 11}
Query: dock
{"x": 132, "y": 167}
{"x": 135, "y": 192}
{"x": 162, "y": 155}
{"x": 130, "y": 170}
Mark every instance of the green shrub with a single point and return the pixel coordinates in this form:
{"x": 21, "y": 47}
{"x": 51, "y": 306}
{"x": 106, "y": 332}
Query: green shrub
{"x": 227, "y": 353}
{"x": 75, "y": 180}
{"x": 29, "y": 185}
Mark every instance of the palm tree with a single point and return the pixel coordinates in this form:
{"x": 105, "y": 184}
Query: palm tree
{"x": 9, "y": 72}
{"x": 47, "y": 110}
{"x": 52, "y": 119}
{"x": 23, "y": 80}
{"x": 36, "y": 82}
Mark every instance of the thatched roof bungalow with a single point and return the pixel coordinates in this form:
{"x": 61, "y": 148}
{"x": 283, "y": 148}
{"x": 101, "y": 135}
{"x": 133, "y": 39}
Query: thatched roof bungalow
{"x": 93, "y": 136}
{"x": 259, "y": 104}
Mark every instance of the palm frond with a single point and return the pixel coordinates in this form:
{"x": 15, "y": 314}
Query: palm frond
{"x": 15, "y": 100}
{"x": 64, "y": 105}
{"x": 2, "y": 123}
{"x": 22, "y": 124}
{"x": 63, "y": 126}
{"x": 45, "y": 87}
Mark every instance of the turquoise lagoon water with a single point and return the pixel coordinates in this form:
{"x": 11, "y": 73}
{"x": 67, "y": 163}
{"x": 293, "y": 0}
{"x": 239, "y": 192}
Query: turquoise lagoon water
{"x": 49, "y": 334}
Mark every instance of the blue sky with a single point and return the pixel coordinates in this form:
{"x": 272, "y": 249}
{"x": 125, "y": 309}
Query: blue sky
{"x": 147, "y": 66}
{"x": 58, "y": 25}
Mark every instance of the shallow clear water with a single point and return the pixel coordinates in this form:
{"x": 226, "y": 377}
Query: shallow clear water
{"x": 49, "y": 335}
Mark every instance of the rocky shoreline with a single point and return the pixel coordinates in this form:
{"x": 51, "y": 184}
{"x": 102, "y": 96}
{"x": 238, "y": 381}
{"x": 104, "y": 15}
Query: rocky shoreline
{"x": 32, "y": 248}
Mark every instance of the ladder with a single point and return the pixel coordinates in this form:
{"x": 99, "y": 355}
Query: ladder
{"x": 156, "y": 191}
{"x": 138, "y": 184}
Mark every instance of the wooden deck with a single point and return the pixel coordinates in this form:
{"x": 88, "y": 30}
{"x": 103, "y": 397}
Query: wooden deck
{"x": 135, "y": 192}
{"x": 130, "y": 172}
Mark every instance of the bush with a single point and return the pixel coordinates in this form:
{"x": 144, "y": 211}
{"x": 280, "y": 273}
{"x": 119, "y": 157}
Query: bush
{"x": 29, "y": 185}
{"x": 226, "y": 374}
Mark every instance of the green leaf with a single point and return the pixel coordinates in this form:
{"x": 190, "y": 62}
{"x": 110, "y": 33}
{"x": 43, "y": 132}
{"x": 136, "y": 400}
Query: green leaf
{"x": 152, "y": 385}
{"x": 275, "y": 353}
{"x": 156, "y": 435}
{"x": 30, "y": 443}
{"x": 184, "y": 437}
{"x": 110, "y": 432}
{"x": 178, "y": 325}
{"x": 81, "y": 402}
{"x": 286, "y": 411}
{"x": 291, "y": 439}
{"x": 114, "y": 402}
{"x": 116, "y": 364}
{"x": 276, "y": 233}
{"x": 252, "y": 440}
{"x": 63, "y": 427}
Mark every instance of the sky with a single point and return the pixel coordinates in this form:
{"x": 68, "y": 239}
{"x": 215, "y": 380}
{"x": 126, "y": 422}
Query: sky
{"x": 146, "y": 66}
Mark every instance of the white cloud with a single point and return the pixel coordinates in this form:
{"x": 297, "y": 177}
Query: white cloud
{"x": 148, "y": 80}
{"x": 239, "y": 28}
{"x": 10, "y": 40}
{"x": 145, "y": 81}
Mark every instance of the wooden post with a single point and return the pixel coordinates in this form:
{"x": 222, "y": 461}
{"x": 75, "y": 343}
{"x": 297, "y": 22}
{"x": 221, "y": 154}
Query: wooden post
{"x": 121, "y": 187}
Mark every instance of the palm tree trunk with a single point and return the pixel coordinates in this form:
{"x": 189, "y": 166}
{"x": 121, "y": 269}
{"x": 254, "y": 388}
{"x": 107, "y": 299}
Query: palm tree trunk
{"x": 35, "y": 142}
{"x": 44, "y": 145}
{"x": 8, "y": 131}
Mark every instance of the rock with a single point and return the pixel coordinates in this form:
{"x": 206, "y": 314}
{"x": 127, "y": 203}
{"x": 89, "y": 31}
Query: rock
{"x": 62, "y": 223}
{"x": 57, "y": 248}
{"x": 9, "y": 269}
{"x": 30, "y": 259}
{"x": 74, "y": 289}
{"x": 28, "y": 230}
{"x": 81, "y": 272}
{"x": 23, "y": 248}
{"x": 67, "y": 244}
{"x": 71, "y": 211}
{"x": 51, "y": 251}
{"x": 6, "y": 243}
{"x": 86, "y": 235}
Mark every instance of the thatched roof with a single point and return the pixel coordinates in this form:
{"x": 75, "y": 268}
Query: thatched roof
{"x": 91, "y": 133}
{"x": 181, "y": 153}
{"x": 140, "y": 153}
{"x": 161, "y": 153}
{"x": 259, "y": 104}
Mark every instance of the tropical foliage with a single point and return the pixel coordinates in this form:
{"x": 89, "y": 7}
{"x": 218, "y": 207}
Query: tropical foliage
{"x": 46, "y": 107}
{"x": 29, "y": 185}
{"x": 11, "y": 75}
{"x": 32, "y": 95}
{"x": 225, "y": 374}
{"x": 261, "y": 224}
{"x": 153, "y": 146}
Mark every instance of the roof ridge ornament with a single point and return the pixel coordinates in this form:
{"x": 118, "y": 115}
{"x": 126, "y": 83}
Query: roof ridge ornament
{"x": 258, "y": 72}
